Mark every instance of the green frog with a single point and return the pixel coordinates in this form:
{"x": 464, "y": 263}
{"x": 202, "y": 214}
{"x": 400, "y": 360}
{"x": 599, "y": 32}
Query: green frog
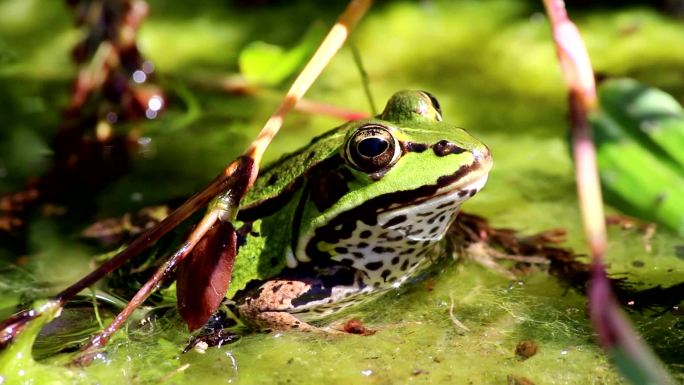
{"x": 357, "y": 212}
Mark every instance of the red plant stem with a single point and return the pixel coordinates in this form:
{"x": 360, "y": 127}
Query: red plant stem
{"x": 318, "y": 108}
{"x": 332, "y": 42}
{"x": 90, "y": 350}
{"x": 588, "y": 185}
{"x": 247, "y": 165}
{"x": 222, "y": 182}
{"x": 236, "y": 184}
{"x": 615, "y": 333}
{"x": 579, "y": 77}
{"x": 237, "y": 85}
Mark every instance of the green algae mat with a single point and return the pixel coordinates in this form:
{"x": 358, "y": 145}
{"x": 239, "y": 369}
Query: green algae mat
{"x": 493, "y": 67}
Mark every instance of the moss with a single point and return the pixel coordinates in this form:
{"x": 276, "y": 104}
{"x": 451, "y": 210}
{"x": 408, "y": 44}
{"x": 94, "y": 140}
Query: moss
{"x": 491, "y": 64}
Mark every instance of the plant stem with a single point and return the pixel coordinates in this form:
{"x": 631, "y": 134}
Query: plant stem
{"x": 246, "y": 167}
{"x": 364, "y": 78}
{"x": 632, "y": 357}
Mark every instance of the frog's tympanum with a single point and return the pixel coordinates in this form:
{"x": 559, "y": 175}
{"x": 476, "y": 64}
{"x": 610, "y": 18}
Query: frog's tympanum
{"x": 356, "y": 213}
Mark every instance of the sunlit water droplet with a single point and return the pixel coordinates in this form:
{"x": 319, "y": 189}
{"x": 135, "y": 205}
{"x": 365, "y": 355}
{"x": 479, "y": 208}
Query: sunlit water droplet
{"x": 144, "y": 141}
{"x": 112, "y": 117}
{"x": 148, "y": 67}
{"x": 139, "y": 76}
{"x": 155, "y": 103}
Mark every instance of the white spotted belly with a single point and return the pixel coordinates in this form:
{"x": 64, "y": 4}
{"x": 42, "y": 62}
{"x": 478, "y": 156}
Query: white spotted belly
{"x": 385, "y": 255}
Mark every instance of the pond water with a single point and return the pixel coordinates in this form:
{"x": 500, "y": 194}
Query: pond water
{"x": 491, "y": 64}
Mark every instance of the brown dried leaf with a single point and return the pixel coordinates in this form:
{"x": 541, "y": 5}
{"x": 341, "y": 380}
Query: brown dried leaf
{"x": 203, "y": 277}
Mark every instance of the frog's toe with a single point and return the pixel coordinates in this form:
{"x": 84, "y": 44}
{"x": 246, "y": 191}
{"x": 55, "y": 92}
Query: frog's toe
{"x": 222, "y": 328}
{"x": 217, "y": 337}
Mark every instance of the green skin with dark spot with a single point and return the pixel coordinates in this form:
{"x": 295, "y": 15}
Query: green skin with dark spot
{"x": 319, "y": 185}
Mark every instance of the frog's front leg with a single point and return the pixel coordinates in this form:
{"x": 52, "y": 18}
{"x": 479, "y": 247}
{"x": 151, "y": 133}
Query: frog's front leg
{"x": 268, "y": 307}
{"x": 264, "y": 308}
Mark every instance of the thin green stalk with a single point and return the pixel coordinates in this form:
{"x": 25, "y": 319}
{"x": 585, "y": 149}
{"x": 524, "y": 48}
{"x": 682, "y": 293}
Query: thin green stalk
{"x": 365, "y": 82}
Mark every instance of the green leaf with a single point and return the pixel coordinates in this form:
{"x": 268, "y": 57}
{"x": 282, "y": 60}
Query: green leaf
{"x": 266, "y": 64}
{"x": 639, "y": 134}
{"x": 17, "y": 365}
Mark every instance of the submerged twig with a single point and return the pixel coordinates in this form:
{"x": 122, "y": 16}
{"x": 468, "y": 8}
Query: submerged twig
{"x": 455, "y": 320}
{"x": 101, "y": 338}
{"x": 479, "y": 241}
{"x": 172, "y": 373}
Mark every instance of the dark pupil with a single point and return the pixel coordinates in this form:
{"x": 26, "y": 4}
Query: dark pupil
{"x": 371, "y": 147}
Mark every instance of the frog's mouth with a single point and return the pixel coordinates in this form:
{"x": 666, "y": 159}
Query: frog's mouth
{"x": 455, "y": 191}
{"x": 463, "y": 184}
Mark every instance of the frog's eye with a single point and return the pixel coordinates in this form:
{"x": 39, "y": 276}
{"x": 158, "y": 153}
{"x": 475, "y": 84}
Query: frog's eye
{"x": 435, "y": 104}
{"x": 372, "y": 148}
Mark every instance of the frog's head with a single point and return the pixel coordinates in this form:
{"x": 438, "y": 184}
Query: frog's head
{"x": 410, "y": 135}
{"x": 399, "y": 181}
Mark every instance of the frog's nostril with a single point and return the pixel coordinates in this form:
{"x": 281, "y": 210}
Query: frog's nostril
{"x": 444, "y": 147}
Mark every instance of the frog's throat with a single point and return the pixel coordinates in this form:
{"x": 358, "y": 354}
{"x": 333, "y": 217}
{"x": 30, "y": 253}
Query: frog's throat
{"x": 402, "y": 245}
{"x": 463, "y": 184}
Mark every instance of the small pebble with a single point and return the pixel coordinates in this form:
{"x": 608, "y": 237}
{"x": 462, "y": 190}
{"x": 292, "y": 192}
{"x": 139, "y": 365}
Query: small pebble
{"x": 526, "y": 349}
{"x": 356, "y": 326}
{"x": 679, "y": 251}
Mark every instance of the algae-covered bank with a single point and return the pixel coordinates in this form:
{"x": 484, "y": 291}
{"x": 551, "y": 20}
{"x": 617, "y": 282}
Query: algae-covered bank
{"x": 491, "y": 64}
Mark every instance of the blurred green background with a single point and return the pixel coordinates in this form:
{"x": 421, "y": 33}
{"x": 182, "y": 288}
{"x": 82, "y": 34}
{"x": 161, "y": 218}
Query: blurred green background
{"x": 491, "y": 64}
